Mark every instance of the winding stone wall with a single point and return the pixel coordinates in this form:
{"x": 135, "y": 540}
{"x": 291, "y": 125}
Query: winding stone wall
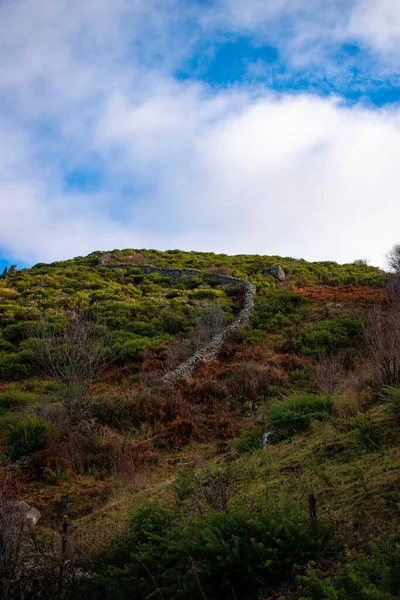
{"x": 208, "y": 351}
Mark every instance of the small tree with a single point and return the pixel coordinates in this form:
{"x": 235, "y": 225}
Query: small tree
{"x": 73, "y": 352}
{"x": 383, "y": 340}
{"x": 393, "y": 258}
{"x": 209, "y": 324}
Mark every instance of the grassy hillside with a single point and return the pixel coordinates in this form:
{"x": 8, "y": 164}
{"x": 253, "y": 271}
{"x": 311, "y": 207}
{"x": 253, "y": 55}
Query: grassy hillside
{"x": 272, "y": 472}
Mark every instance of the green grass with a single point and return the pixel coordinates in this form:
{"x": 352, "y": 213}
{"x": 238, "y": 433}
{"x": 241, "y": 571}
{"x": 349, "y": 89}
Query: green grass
{"x": 15, "y": 399}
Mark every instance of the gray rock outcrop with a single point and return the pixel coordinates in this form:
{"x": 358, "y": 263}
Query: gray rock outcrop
{"x": 276, "y": 271}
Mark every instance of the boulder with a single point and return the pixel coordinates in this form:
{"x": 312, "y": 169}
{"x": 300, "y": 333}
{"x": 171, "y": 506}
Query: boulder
{"x": 21, "y": 509}
{"x": 276, "y": 271}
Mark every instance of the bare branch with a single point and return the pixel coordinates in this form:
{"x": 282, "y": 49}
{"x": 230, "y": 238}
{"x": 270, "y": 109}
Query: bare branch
{"x": 73, "y": 352}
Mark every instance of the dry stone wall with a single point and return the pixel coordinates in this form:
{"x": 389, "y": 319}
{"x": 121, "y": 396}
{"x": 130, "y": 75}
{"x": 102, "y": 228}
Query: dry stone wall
{"x": 210, "y": 350}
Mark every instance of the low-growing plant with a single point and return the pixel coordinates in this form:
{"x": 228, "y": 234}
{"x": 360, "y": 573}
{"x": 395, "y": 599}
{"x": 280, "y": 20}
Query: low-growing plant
{"x": 26, "y": 436}
{"x": 296, "y": 412}
{"x": 392, "y": 396}
{"x": 368, "y": 433}
{"x": 56, "y": 470}
{"x": 17, "y": 399}
{"x": 250, "y": 440}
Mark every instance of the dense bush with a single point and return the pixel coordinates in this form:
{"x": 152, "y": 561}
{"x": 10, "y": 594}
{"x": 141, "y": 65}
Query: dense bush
{"x": 14, "y": 367}
{"x": 278, "y": 309}
{"x": 368, "y": 433}
{"x": 296, "y": 412}
{"x": 26, "y": 436}
{"x": 220, "y": 555}
{"x": 343, "y": 332}
{"x": 372, "y": 577}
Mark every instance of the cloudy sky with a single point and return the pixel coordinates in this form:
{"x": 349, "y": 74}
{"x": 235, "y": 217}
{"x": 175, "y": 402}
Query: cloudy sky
{"x": 236, "y": 126}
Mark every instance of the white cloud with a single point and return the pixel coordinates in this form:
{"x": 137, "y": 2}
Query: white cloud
{"x": 378, "y": 23}
{"x": 299, "y": 175}
{"x": 236, "y": 170}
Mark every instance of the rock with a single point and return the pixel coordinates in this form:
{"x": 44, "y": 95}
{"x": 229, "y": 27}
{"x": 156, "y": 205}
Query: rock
{"x": 25, "y": 511}
{"x": 276, "y": 271}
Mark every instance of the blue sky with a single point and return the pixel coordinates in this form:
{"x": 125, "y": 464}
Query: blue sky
{"x": 223, "y": 125}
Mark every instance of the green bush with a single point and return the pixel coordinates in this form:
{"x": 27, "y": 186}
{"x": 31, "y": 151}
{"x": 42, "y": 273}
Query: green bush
{"x": 15, "y": 367}
{"x": 392, "y": 396}
{"x": 218, "y": 556}
{"x": 296, "y": 412}
{"x": 278, "y": 309}
{"x": 343, "y": 332}
{"x": 368, "y": 433}
{"x": 26, "y": 436}
{"x": 372, "y": 577}
{"x": 249, "y": 441}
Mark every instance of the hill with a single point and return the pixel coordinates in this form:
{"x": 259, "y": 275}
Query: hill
{"x": 268, "y": 469}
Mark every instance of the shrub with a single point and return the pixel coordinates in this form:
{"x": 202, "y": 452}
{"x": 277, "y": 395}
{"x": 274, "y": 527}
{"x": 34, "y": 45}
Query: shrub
{"x": 368, "y": 433}
{"x": 392, "y": 396}
{"x": 373, "y": 577}
{"x": 249, "y": 441}
{"x": 119, "y": 410}
{"x": 14, "y": 367}
{"x": 343, "y": 332}
{"x": 218, "y": 556}
{"x": 248, "y": 379}
{"x": 26, "y": 436}
{"x": 16, "y": 399}
{"x": 383, "y": 342}
{"x": 296, "y": 412}
{"x": 278, "y": 309}
{"x": 184, "y": 484}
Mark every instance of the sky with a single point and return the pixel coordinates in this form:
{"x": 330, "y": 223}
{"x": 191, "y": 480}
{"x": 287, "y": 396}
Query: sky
{"x": 234, "y": 126}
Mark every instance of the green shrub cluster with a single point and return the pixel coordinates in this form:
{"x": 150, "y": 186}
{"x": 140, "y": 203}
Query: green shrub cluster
{"x": 368, "y": 433}
{"x": 218, "y": 556}
{"x": 274, "y": 311}
{"x": 250, "y": 266}
{"x": 139, "y": 309}
{"x": 296, "y": 412}
{"x": 341, "y": 333}
{"x": 374, "y": 576}
{"x": 26, "y": 436}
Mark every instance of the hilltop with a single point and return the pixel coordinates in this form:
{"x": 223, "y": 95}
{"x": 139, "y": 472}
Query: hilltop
{"x": 270, "y": 469}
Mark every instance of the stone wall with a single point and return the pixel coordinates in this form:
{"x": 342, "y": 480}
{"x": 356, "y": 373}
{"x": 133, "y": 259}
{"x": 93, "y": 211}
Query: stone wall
{"x": 210, "y": 350}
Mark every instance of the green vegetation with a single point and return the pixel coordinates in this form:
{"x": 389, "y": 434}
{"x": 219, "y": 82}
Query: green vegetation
{"x": 392, "y": 396}
{"x": 371, "y": 577}
{"x": 26, "y": 436}
{"x": 344, "y": 332}
{"x": 246, "y": 266}
{"x": 14, "y": 399}
{"x": 249, "y": 440}
{"x": 141, "y": 311}
{"x": 296, "y": 412}
{"x": 368, "y": 433}
{"x": 171, "y": 488}
{"x": 215, "y": 556}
